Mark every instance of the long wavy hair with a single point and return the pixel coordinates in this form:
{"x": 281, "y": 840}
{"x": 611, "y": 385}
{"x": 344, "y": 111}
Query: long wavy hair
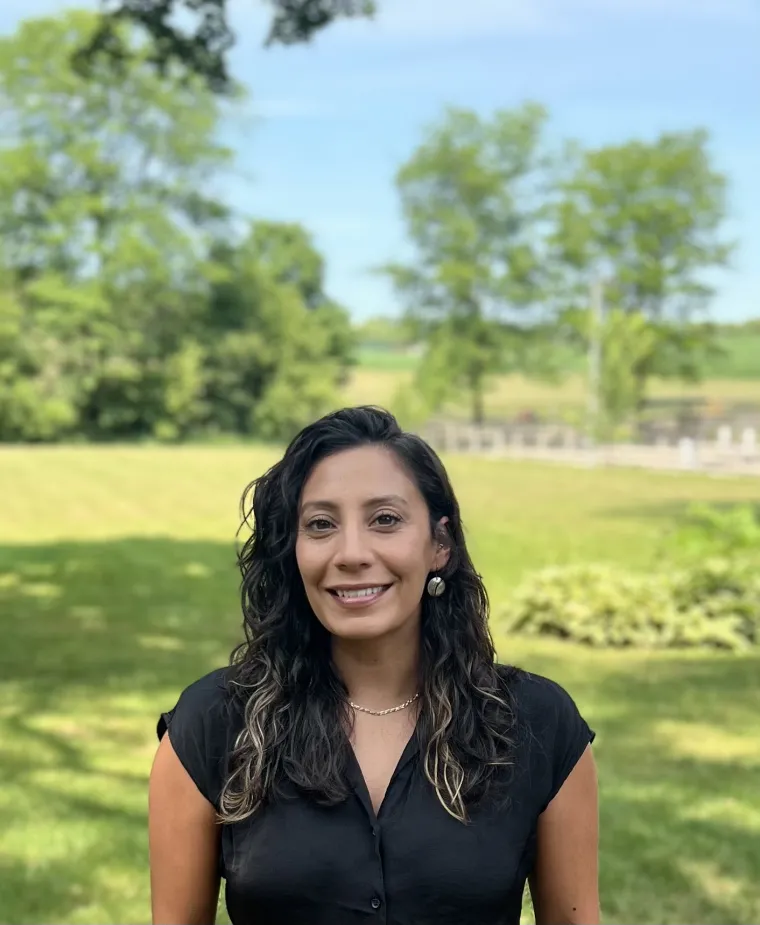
{"x": 295, "y": 706}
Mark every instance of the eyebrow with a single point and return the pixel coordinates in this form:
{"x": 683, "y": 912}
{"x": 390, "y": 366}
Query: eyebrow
{"x": 371, "y": 502}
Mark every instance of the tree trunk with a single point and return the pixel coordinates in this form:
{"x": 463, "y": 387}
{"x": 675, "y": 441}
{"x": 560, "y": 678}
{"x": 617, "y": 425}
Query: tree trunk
{"x": 476, "y": 396}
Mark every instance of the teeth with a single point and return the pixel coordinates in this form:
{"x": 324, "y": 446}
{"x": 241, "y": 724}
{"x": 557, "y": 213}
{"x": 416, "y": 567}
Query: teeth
{"x": 364, "y": 592}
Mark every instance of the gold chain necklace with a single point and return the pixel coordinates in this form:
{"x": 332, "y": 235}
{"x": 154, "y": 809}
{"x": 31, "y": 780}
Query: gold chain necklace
{"x": 401, "y": 706}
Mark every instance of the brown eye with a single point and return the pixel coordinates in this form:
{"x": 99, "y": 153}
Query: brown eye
{"x": 387, "y": 520}
{"x": 319, "y": 524}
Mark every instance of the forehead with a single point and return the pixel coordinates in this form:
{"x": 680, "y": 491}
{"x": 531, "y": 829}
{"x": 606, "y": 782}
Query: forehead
{"x": 353, "y": 475}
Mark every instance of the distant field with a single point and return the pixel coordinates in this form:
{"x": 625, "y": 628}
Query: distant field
{"x": 383, "y": 360}
{"x": 732, "y": 377}
{"x": 510, "y": 394}
{"x": 739, "y": 358}
{"x": 118, "y": 587}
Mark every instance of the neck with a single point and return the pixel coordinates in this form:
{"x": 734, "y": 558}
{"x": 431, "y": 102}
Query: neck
{"x": 379, "y": 673}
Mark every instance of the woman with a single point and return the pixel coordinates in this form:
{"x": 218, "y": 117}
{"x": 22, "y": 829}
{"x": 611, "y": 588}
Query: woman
{"x": 363, "y": 758}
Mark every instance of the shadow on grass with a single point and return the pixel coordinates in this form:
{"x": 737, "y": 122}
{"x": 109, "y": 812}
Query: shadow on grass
{"x": 85, "y": 626}
{"x": 679, "y": 765}
{"x": 134, "y": 621}
{"x": 124, "y": 615}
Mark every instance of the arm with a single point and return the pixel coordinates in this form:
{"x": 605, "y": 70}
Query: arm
{"x": 564, "y": 881}
{"x": 184, "y": 845}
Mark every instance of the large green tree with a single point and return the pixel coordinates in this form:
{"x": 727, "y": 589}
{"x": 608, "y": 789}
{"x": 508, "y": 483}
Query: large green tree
{"x": 102, "y": 224}
{"x": 112, "y": 258}
{"x": 277, "y": 344}
{"x": 472, "y": 198}
{"x": 197, "y": 33}
{"x": 646, "y": 218}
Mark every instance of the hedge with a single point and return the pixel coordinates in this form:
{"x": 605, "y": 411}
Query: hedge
{"x": 715, "y": 604}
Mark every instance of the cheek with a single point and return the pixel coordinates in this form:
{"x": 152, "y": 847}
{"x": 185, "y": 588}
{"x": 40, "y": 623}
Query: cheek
{"x": 305, "y": 561}
{"x": 413, "y": 556}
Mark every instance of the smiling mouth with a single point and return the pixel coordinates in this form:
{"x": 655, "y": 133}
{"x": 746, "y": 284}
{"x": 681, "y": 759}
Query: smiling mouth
{"x": 357, "y": 597}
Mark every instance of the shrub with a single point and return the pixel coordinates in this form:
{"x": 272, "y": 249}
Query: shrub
{"x": 710, "y": 530}
{"x": 715, "y": 604}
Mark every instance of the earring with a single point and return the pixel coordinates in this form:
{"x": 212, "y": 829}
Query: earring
{"x": 436, "y": 586}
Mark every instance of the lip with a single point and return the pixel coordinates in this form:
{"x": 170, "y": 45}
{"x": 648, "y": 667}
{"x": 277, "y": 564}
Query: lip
{"x": 357, "y": 603}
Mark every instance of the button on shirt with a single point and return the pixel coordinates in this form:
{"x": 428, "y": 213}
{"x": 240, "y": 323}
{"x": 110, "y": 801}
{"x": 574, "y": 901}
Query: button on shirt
{"x": 298, "y": 863}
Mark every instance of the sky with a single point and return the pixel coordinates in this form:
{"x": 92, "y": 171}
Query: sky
{"x": 327, "y": 125}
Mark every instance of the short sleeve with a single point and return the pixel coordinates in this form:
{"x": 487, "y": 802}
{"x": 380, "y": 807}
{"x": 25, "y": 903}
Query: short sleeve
{"x": 198, "y": 730}
{"x": 559, "y": 734}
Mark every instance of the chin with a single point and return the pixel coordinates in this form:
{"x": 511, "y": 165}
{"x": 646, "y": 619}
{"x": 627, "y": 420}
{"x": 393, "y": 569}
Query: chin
{"x": 358, "y": 629}
{"x": 364, "y": 627}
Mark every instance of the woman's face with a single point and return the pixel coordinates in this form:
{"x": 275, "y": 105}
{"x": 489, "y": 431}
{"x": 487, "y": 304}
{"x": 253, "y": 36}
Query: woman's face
{"x": 364, "y": 546}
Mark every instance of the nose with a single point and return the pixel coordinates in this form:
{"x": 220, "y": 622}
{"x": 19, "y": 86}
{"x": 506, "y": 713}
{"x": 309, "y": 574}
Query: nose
{"x": 352, "y": 549}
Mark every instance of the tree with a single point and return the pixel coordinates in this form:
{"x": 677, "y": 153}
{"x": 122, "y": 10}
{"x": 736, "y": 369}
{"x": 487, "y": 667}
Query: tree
{"x": 113, "y": 266}
{"x": 102, "y": 224}
{"x": 472, "y": 200}
{"x": 646, "y": 216}
{"x": 280, "y": 345}
{"x": 202, "y": 50}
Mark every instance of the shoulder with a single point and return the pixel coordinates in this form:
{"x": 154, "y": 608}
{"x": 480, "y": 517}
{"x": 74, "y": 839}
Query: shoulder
{"x": 201, "y": 726}
{"x": 201, "y": 698}
{"x": 211, "y": 690}
{"x": 540, "y": 699}
{"x": 553, "y": 733}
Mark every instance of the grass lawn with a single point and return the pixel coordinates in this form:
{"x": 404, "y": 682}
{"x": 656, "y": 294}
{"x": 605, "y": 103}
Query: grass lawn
{"x": 118, "y": 587}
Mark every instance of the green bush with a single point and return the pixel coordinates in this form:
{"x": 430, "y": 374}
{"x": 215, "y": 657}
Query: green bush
{"x": 715, "y": 604}
{"x": 720, "y": 531}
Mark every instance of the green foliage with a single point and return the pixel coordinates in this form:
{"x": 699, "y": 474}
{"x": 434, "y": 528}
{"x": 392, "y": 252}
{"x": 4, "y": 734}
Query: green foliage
{"x": 202, "y": 51}
{"x": 713, "y": 604}
{"x": 651, "y": 211}
{"x": 647, "y": 216}
{"x": 506, "y": 248}
{"x": 710, "y": 530}
{"x": 468, "y": 199}
{"x": 128, "y": 305}
{"x": 627, "y": 339}
{"x": 283, "y": 346}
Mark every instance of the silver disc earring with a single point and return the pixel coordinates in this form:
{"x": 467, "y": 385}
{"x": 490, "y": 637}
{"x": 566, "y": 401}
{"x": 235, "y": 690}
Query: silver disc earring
{"x": 436, "y": 586}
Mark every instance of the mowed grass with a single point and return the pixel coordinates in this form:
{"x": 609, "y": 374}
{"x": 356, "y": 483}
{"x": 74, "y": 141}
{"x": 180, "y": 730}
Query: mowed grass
{"x": 118, "y": 587}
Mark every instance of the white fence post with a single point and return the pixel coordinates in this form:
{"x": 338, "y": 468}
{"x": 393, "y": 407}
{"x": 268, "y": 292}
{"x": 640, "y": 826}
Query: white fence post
{"x": 725, "y": 437}
{"x": 749, "y": 443}
{"x": 687, "y": 453}
{"x": 497, "y": 440}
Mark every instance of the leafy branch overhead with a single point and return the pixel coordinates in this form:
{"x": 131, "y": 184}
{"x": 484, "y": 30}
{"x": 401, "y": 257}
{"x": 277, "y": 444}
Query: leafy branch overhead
{"x": 202, "y": 47}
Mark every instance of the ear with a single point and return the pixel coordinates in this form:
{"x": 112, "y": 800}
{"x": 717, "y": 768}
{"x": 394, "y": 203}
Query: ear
{"x": 442, "y": 545}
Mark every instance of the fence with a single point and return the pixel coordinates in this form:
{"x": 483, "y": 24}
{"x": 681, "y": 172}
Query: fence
{"x": 727, "y": 451}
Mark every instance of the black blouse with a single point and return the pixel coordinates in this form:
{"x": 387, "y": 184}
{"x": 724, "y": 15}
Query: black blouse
{"x": 297, "y": 863}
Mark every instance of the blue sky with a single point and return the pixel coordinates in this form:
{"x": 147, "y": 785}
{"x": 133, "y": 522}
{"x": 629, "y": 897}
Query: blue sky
{"x": 328, "y": 124}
